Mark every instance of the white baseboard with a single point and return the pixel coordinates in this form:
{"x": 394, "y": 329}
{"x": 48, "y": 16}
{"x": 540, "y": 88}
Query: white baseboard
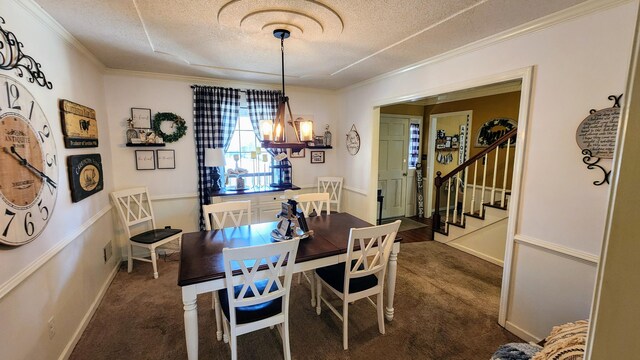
{"x": 87, "y": 317}
{"x": 519, "y": 332}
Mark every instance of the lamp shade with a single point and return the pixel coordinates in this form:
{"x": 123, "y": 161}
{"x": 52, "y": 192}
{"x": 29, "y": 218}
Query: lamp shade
{"x": 213, "y": 157}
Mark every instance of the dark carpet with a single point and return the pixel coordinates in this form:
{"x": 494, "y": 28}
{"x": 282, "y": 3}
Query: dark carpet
{"x": 446, "y": 307}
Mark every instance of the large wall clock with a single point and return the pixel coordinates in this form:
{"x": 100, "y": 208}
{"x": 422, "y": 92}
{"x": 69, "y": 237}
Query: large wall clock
{"x": 28, "y": 165}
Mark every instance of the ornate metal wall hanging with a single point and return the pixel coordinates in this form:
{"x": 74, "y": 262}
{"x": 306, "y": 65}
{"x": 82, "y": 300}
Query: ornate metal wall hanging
{"x": 596, "y": 136}
{"x": 12, "y": 58}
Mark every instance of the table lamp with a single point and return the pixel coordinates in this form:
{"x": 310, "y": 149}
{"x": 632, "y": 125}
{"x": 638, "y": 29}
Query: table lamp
{"x": 214, "y": 158}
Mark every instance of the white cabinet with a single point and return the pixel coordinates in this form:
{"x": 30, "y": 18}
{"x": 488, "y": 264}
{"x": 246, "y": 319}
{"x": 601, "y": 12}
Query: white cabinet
{"x": 264, "y": 206}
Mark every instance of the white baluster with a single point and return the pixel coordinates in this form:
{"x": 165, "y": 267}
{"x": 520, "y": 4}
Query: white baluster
{"x": 495, "y": 176}
{"x": 484, "y": 180}
{"x": 455, "y": 204}
{"x": 473, "y": 195}
{"x": 446, "y": 220}
{"x": 464, "y": 195}
{"x": 504, "y": 179}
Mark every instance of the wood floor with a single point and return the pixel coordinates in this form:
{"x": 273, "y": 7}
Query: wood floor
{"x": 417, "y": 235}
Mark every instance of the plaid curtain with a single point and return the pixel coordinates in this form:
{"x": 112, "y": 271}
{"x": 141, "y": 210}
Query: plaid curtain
{"x": 414, "y": 144}
{"x": 215, "y": 114}
{"x": 263, "y": 105}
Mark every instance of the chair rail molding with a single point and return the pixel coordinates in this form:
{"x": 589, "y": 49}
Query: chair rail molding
{"x": 558, "y": 249}
{"x": 44, "y": 258}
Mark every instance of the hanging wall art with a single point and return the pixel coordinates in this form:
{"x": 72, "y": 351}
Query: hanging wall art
{"x": 353, "y": 140}
{"x": 596, "y": 136}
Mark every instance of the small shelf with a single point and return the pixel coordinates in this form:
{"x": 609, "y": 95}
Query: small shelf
{"x": 145, "y": 145}
{"x": 321, "y": 147}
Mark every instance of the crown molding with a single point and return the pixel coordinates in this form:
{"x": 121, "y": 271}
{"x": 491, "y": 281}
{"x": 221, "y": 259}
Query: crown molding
{"x": 202, "y": 80}
{"x": 39, "y": 13}
{"x": 570, "y": 13}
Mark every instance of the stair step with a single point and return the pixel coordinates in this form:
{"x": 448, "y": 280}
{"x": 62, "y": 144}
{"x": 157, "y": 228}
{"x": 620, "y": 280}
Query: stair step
{"x": 495, "y": 206}
{"x": 456, "y": 224}
{"x": 474, "y": 215}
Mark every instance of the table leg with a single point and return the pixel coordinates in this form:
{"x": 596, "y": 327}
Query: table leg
{"x": 391, "y": 281}
{"x": 218, "y": 312}
{"x": 189, "y": 298}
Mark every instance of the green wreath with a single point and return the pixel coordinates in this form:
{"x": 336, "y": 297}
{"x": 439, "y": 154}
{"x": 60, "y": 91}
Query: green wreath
{"x": 178, "y": 124}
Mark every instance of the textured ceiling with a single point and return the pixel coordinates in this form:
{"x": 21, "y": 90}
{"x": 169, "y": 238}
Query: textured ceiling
{"x": 333, "y": 43}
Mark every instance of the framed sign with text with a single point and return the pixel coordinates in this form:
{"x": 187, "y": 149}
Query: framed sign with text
{"x": 85, "y": 175}
{"x": 79, "y": 125}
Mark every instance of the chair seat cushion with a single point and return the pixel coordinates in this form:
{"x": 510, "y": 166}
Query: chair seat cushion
{"x": 247, "y": 314}
{"x": 152, "y": 236}
{"x": 334, "y": 276}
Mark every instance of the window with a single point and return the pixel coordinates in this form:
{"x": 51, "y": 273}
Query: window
{"x": 414, "y": 145}
{"x": 243, "y": 143}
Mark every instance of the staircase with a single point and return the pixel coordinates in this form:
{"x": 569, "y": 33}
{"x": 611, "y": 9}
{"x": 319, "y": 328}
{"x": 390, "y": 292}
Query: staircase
{"x": 474, "y": 216}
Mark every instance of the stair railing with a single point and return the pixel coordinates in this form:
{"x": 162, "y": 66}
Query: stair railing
{"x": 454, "y": 181}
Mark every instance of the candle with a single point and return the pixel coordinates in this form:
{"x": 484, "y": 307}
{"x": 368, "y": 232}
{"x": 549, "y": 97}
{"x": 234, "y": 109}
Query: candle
{"x": 264, "y": 157}
{"x": 258, "y": 149}
{"x": 306, "y": 131}
{"x": 278, "y": 131}
{"x": 253, "y": 154}
{"x": 267, "y": 129}
{"x": 236, "y": 157}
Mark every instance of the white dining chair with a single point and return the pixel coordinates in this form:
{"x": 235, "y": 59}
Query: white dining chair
{"x": 364, "y": 277}
{"x": 333, "y": 186}
{"x": 136, "y": 213}
{"x": 257, "y": 299}
{"x": 222, "y": 214}
{"x": 313, "y": 203}
{"x": 226, "y": 214}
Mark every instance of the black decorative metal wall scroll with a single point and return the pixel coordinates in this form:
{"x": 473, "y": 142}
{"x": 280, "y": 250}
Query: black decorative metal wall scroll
{"x": 596, "y": 136}
{"x": 12, "y": 58}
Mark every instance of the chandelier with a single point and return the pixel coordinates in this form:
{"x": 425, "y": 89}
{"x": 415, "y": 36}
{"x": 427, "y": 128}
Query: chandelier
{"x": 273, "y": 131}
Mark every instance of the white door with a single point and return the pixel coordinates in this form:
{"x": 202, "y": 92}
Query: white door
{"x": 392, "y": 165}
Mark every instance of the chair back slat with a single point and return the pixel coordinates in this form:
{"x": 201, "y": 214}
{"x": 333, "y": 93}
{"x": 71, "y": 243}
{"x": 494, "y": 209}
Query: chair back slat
{"x": 134, "y": 207}
{"x": 313, "y": 201}
{"x": 333, "y": 186}
{"x": 259, "y": 263}
{"x": 375, "y": 246}
{"x": 222, "y": 213}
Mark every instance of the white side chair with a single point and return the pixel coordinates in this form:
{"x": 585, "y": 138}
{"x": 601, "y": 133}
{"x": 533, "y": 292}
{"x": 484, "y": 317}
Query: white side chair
{"x": 226, "y": 212}
{"x": 313, "y": 202}
{"x": 221, "y": 214}
{"x": 333, "y": 186}
{"x": 257, "y": 299}
{"x": 364, "y": 277}
{"x": 134, "y": 207}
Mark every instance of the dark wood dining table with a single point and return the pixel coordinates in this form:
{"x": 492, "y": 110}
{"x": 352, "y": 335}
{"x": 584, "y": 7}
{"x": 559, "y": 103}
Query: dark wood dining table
{"x": 202, "y": 270}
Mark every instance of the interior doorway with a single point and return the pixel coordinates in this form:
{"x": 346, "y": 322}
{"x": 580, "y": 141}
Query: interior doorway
{"x": 484, "y": 97}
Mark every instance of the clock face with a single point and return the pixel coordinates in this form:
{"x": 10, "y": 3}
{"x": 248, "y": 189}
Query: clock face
{"x": 28, "y": 165}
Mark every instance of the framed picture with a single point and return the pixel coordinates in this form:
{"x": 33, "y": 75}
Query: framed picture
{"x": 79, "y": 125}
{"x": 141, "y": 118}
{"x": 145, "y": 160}
{"x": 85, "y": 175}
{"x": 296, "y": 154}
{"x": 166, "y": 159}
{"x": 317, "y": 157}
